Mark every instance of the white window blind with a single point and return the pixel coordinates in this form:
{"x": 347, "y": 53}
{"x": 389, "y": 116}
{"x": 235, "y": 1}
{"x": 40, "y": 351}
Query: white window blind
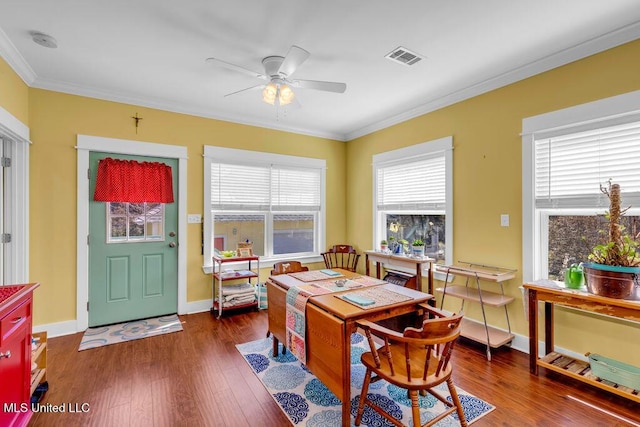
{"x": 412, "y": 185}
{"x": 239, "y": 187}
{"x": 295, "y": 189}
{"x": 570, "y": 168}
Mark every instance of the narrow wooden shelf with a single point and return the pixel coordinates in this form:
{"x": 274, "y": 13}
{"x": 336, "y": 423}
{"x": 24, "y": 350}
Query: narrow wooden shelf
{"x": 477, "y": 332}
{"x": 482, "y": 272}
{"x": 492, "y": 299}
{"x": 36, "y": 378}
{"x": 581, "y": 371}
{"x": 473, "y": 274}
{"x": 39, "y": 356}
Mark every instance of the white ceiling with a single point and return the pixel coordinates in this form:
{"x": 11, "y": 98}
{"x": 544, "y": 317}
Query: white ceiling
{"x": 152, "y": 52}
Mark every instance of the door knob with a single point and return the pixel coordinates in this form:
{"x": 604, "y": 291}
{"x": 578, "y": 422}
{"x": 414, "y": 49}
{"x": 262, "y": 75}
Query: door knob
{"x": 172, "y": 234}
{"x": 172, "y": 244}
{"x": 7, "y": 354}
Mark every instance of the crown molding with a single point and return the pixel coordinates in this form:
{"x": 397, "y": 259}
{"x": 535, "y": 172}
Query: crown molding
{"x": 159, "y": 104}
{"x": 590, "y": 47}
{"x": 15, "y": 60}
{"x": 582, "y": 50}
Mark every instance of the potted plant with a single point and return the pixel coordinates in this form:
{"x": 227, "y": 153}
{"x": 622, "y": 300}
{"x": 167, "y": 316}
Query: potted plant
{"x": 615, "y": 268}
{"x": 392, "y": 243}
{"x": 403, "y": 246}
{"x": 383, "y": 245}
{"x": 417, "y": 248}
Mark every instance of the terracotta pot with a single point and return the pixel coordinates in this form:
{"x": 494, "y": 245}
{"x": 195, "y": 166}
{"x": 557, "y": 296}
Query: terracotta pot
{"x": 613, "y": 281}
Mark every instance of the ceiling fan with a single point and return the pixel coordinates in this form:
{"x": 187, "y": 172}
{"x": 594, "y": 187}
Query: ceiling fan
{"x": 277, "y": 72}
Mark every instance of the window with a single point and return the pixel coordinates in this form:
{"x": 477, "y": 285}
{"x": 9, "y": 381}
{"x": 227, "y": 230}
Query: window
{"x": 567, "y": 156}
{"x": 274, "y": 201}
{"x": 135, "y": 222}
{"x": 413, "y": 196}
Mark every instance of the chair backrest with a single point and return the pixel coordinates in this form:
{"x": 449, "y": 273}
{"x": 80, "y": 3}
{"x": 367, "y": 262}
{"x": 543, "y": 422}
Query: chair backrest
{"x": 284, "y": 267}
{"x": 341, "y": 256}
{"x": 418, "y": 353}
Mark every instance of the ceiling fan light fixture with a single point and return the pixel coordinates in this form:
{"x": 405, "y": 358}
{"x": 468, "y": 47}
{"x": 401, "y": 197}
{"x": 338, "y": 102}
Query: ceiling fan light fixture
{"x": 278, "y": 92}
{"x": 286, "y": 95}
{"x": 269, "y": 93}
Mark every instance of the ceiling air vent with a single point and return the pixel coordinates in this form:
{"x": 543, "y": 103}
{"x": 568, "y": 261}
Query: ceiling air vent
{"x": 403, "y": 56}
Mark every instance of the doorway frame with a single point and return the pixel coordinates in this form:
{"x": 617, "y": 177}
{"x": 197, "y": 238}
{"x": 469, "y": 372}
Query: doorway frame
{"x": 86, "y": 144}
{"x": 16, "y": 253}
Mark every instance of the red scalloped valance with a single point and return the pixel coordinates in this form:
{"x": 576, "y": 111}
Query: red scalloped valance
{"x": 133, "y": 182}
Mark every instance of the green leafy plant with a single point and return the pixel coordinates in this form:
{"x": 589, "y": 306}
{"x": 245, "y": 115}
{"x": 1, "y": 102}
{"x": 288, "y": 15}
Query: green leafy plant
{"x": 383, "y": 242}
{"x": 403, "y": 242}
{"x": 417, "y": 242}
{"x": 618, "y": 247}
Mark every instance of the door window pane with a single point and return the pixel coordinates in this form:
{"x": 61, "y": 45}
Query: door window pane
{"x": 137, "y": 222}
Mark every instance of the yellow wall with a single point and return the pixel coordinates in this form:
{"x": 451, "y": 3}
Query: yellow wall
{"x": 14, "y": 93}
{"x": 487, "y": 178}
{"x": 487, "y": 181}
{"x": 55, "y": 121}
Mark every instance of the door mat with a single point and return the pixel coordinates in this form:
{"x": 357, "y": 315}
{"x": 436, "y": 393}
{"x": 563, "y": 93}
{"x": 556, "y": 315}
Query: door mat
{"x": 308, "y": 402}
{"x": 129, "y": 331}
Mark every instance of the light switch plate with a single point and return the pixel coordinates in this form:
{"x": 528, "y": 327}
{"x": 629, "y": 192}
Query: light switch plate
{"x": 194, "y": 218}
{"x": 504, "y": 220}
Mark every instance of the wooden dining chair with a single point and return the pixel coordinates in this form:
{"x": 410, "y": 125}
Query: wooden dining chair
{"x": 285, "y": 267}
{"x": 416, "y": 360}
{"x": 341, "y": 256}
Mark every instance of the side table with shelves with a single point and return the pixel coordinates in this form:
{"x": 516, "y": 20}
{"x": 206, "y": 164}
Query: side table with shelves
{"x": 221, "y": 275}
{"x": 472, "y": 291}
{"x": 553, "y": 295}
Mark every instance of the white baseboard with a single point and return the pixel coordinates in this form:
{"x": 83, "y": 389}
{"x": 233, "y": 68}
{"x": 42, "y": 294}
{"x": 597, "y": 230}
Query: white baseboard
{"x": 199, "y": 306}
{"x": 59, "y": 329}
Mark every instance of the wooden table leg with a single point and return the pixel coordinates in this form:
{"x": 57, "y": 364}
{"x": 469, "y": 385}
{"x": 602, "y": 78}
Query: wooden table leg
{"x": 346, "y": 376}
{"x": 533, "y": 331}
{"x": 548, "y": 327}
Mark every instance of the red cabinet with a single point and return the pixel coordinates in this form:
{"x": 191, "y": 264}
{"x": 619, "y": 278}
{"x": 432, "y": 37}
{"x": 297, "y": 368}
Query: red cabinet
{"x": 16, "y": 303}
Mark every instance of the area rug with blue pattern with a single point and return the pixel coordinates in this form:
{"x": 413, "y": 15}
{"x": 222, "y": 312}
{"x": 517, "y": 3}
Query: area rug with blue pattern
{"x": 128, "y": 331}
{"x": 308, "y": 402}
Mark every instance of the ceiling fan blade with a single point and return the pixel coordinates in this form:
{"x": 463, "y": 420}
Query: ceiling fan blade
{"x": 295, "y": 57}
{"x": 320, "y": 85}
{"x": 238, "y": 68}
{"x": 260, "y": 86}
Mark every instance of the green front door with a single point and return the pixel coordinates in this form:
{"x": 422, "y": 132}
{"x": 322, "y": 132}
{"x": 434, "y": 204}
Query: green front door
{"x": 133, "y": 257}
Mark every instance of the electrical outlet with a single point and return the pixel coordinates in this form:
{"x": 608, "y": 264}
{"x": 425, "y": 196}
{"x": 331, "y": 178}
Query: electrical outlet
{"x": 504, "y": 220}
{"x": 194, "y": 219}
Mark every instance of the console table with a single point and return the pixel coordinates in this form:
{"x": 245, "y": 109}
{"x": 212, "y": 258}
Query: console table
{"x": 557, "y": 295}
{"x": 400, "y": 261}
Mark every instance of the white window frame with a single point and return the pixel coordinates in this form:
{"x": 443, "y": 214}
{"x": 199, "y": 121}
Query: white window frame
{"x": 214, "y": 154}
{"x": 415, "y": 152}
{"x": 611, "y": 111}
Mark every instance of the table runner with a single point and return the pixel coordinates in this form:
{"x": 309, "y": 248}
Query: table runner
{"x": 296, "y": 325}
{"x": 297, "y": 296}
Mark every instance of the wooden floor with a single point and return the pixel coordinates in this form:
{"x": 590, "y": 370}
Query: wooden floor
{"x": 198, "y": 378}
